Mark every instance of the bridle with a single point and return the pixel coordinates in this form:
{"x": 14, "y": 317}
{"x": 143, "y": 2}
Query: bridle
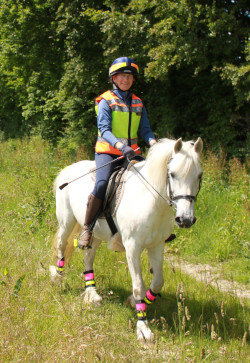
{"x": 172, "y": 198}
{"x": 188, "y": 197}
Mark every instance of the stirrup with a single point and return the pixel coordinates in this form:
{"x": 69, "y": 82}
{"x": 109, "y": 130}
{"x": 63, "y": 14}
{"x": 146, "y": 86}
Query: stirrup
{"x": 85, "y": 239}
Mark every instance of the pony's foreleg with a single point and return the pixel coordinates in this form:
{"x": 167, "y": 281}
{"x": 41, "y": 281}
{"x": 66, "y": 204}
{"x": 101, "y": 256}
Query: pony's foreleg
{"x": 90, "y": 295}
{"x": 155, "y": 256}
{"x": 144, "y": 333}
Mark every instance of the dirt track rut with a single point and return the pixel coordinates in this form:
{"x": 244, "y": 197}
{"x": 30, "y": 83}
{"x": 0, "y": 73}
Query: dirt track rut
{"x": 208, "y": 275}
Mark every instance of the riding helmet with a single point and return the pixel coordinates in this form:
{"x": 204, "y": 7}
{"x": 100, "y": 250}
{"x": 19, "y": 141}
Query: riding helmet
{"x": 124, "y": 65}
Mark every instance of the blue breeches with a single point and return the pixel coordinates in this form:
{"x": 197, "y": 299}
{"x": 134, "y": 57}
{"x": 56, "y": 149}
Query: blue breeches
{"x": 103, "y": 174}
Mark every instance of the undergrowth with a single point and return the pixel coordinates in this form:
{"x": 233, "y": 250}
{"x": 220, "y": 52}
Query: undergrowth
{"x": 221, "y": 234}
{"x": 41, "y": 322}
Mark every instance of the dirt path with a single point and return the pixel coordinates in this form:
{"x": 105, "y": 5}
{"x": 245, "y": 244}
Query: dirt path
{"x": 208, "y": 275}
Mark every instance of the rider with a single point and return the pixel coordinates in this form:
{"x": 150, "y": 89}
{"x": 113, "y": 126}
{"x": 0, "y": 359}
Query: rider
{"x": 120, "y": 115}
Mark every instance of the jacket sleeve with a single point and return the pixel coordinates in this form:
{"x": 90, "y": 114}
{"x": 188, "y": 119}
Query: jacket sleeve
{"x": 104, "y": 122}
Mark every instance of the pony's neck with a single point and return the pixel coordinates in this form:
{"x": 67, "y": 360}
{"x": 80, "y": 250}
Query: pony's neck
{"x": 156, "y": 164}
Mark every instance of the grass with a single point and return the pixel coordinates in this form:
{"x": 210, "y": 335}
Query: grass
{"x": 222, "y": 233}
{"x": 45, "y": 323}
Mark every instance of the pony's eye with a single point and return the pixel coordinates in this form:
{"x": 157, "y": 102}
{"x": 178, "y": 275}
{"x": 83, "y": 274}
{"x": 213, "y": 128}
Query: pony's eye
{"x": 172, "y": 175}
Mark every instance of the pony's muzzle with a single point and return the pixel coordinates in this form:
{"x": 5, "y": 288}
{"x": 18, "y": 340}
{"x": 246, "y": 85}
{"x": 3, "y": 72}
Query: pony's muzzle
{"x": 183, "y": 222}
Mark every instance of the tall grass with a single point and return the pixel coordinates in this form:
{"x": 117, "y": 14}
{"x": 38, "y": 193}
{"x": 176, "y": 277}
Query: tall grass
{"x": 222, "y": 232}
{"x": 45, "y": 323}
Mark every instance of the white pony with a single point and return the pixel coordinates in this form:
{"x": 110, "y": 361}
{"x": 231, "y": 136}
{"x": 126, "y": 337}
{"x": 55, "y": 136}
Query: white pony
{"x": 170, "y": 175}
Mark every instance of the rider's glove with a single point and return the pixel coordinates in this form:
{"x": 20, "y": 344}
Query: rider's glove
{"x": 127, "y": 151}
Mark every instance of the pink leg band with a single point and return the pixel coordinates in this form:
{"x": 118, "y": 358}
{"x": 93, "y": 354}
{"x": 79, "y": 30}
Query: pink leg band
{"x": 141, "y": 307}
{"x": 89, "y": 276}
{"x": 60, "y": 263}
{"x": 150, "y": 296}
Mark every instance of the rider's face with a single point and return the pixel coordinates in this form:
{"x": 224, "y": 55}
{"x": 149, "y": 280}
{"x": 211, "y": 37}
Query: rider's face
{"x": 124, "y": 80}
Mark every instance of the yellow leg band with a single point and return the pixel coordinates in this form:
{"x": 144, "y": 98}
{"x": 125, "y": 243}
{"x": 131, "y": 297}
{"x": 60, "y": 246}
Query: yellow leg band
{"x": 89, "y": 283}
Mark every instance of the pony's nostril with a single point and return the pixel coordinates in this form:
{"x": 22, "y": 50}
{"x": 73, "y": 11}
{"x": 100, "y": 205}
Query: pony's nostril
{"x": 185, "y": 222}
{"x": 178, "y": 220}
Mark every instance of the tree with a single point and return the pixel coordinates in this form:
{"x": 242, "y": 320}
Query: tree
{"x": 193, "y": 58}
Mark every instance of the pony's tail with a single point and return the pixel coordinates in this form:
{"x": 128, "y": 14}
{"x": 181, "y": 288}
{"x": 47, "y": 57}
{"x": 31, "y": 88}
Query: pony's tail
{"x": 70, "y": 243}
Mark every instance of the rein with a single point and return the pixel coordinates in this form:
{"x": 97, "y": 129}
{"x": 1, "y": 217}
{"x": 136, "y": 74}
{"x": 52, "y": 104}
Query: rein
{"x": 165, "y": 199}
{"x": 173, "y": 198}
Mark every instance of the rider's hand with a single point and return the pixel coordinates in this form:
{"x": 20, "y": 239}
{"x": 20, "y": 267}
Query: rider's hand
{"x": 127, "y": 151}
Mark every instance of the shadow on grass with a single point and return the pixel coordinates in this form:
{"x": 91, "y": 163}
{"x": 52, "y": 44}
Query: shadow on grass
{"x": 179, "y": 317}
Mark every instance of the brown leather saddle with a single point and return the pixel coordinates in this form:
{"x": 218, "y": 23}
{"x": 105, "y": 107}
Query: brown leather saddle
{"x": 114, "y": 191}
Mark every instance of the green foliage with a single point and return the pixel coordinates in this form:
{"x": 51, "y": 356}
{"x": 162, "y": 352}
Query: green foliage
{"x": 193, "y": 58}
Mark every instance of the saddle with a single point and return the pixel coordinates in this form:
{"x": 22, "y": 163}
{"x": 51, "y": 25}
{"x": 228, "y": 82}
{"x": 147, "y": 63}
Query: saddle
{"x": 115, "y": 191}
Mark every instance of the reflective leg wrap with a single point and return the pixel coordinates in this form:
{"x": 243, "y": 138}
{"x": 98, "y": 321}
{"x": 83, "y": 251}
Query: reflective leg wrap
{"x": 150, "y": 297}
{"x": 60, "y": 266}
{"x": 141, "y": 309}
{"x": 89, "y": 278}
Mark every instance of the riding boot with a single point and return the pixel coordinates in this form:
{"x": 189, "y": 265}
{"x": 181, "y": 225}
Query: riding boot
{"x": 93, "y": 208}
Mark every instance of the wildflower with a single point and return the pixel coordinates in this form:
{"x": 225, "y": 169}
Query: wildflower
{"x": 217, "y": 319}
{"x": 222, "y": 309}
{"x": 188, "y": 316}
{"x": 214, "y": 335}
{"x": 180, "y": 309}
{"x": 183, "y": 326}
{"x": 202, "y": 353}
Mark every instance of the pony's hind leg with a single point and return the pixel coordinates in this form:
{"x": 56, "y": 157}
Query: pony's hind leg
{"x": 63, "y": 248}
{"x": 90, "y": 295}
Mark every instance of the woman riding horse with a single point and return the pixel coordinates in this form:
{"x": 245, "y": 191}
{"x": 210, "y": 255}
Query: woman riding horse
{"x": 120, "y": 115}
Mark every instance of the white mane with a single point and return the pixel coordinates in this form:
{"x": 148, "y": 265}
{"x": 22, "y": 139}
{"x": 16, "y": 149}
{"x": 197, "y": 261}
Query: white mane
{"x": 156, "y": 163}
{"x": 159, "y": 157}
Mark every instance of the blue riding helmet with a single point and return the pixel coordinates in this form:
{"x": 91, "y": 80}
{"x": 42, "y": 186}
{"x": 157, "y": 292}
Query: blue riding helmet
{"x": 124, "y": 65}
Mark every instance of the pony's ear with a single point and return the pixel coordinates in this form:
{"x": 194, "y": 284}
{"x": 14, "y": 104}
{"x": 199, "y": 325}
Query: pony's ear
{"x": 178, "y": 145}
{"x": 198, "y": 146}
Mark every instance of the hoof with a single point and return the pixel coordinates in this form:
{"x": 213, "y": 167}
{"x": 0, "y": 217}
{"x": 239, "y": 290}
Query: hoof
{"x": 90, "y": 296}
{"x": 144, "y": 333}
{"x": 56, "y": 278}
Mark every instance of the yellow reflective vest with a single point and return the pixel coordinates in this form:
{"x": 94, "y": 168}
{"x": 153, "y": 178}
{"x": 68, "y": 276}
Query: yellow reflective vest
{"x": 125, "y": 122}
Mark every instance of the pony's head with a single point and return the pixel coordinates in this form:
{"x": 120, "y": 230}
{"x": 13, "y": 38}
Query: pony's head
{"x": 181, "y": 162}
{"x": 184, "y": 180}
